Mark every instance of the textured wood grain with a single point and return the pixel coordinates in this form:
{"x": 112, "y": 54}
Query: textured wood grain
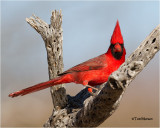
{"x": 84, "y": 110}
{"x": 52, "y": 35}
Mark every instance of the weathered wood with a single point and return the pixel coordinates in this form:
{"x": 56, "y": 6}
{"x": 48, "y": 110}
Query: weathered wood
{"x": 53, "y": 37}
{"x": 84, "y": 110}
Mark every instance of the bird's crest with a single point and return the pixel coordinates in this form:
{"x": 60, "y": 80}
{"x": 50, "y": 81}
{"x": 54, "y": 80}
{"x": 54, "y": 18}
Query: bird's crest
{"x": 117, "y": 36}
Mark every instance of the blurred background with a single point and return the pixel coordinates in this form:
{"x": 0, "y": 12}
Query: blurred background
{"x": 87, "y": 29}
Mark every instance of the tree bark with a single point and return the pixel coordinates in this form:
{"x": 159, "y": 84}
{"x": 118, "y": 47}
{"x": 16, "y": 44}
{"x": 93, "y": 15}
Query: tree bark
{"x": 53, "y": 37}
{"x": 84, "y": 110}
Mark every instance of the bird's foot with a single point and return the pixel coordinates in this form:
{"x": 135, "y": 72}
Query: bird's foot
{"x": 90, "y": 90}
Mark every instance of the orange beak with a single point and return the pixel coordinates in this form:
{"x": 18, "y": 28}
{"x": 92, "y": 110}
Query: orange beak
{"x": 117, "y": 48}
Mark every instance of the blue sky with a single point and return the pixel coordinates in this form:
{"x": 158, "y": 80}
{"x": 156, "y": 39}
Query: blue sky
{"x": 87, "y": 29}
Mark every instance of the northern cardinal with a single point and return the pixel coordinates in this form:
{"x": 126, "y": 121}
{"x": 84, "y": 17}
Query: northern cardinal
{"x": 92, "y": 72}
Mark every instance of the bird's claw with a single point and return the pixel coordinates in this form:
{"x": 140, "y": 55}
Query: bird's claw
{"x": 90, "y": 90}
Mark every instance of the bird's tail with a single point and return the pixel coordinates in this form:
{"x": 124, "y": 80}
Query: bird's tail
{"x": 44, "y": 85}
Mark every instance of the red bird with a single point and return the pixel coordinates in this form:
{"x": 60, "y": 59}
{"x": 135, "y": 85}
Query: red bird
{"x": 90, "y": 73}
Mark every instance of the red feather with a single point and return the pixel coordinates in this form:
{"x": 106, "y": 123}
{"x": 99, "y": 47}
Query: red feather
{"x": 117, "y": 36}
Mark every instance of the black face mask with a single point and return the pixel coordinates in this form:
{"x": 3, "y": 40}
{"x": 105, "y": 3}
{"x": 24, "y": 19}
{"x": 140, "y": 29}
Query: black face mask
{"x": 117, "y": 55}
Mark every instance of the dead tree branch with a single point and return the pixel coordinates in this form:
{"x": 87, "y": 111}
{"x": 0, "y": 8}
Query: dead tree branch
{"x": 53, "y": 36}
{"x": 84, "y": 110}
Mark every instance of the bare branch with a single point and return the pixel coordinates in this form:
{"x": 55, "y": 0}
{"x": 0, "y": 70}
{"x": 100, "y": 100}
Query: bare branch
{"x": 84, "y": 110}
{"x": 53, "y": 36}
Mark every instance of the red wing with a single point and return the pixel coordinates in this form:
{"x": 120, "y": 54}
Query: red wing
{"x": 92, "y": 64}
